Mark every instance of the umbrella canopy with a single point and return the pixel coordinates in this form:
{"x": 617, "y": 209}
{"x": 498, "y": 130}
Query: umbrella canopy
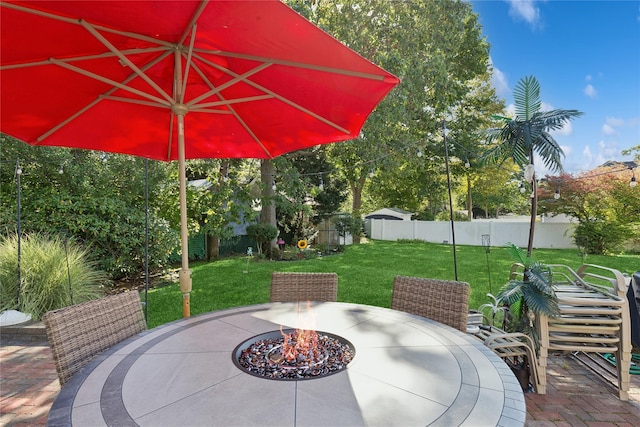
{"x": 173, "y": 80}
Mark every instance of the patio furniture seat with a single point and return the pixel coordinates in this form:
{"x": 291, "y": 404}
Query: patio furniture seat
{"x": 513, "y": 347}
{"x": 293, "y": 287}
{"x": 445, "y": 301}
{"x": 79, "y": 332}
{"x": 594, "y": 318}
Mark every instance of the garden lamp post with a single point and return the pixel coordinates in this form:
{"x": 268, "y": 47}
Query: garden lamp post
{"x": 19, "y": 231}
{"x": 453, "y": 232}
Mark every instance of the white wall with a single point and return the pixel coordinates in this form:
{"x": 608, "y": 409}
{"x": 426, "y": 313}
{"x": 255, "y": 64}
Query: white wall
{"x": 547, "y": 234}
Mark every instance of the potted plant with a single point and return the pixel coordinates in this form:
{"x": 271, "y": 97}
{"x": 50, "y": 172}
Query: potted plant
{"x": 493, "y": 312}
{"x": 527, "y": 297}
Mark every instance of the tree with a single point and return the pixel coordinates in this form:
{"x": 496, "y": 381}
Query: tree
{"x": 267, "y": 201}
{"x": 469, "y": 117}
{"x": 434, "y": 47}
{"x": 606, "y": 207}
{"x": 528, "y": 134}
{"x": 262, "y": 234}
{"x": 308, "y": 192}
{"x": 633, "y": 150}
{"x": 347, "y": 224}
{"x": 495, "y": 189}
{"x": 96, "y": 198}
{"x": 218, "y": 196}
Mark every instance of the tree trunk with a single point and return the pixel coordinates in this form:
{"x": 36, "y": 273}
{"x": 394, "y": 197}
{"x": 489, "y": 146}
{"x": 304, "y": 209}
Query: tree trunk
{"x": 213, "y": 247}
{"x": 213, "y": 241}
{"x": 268, "y": 215}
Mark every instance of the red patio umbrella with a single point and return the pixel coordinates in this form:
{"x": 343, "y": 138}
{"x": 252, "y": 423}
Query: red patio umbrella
{"x": 173, "y": 80}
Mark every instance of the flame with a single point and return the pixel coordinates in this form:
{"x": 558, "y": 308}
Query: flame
{"x": 302, "y": 344}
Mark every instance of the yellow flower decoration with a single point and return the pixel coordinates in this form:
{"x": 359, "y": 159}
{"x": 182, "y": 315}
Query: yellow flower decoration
{"x": 302, "y": 244}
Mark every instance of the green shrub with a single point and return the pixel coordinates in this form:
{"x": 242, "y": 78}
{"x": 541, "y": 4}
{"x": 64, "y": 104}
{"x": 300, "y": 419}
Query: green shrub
{"x": 407, "y": 241}
{"x": 457, "y": 216}
{"x": 47, "y": 266}
{"x": 600, "y": 237}
{"x": 262, "y": 234}
{"x": 347, "y": 224}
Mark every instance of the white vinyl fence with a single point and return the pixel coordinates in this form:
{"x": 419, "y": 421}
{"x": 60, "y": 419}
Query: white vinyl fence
{"x": 500, "y": 232}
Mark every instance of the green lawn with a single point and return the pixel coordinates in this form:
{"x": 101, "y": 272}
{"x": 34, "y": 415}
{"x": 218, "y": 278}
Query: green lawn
{"x": 365, "y": 274}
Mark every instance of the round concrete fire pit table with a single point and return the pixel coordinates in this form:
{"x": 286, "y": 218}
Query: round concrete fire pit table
{"x": 407, "y": 371}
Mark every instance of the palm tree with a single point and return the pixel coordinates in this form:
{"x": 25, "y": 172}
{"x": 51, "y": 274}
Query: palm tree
{"x": 527, "y": 134}
{"x": 530, "y": 296}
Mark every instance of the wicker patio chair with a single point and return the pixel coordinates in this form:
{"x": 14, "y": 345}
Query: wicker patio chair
{"x": 293, "y": 287}
{"x": 444, "y": 301}
{"x": 79, "y": 332}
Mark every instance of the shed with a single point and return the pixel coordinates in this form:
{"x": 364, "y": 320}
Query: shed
{"x": 390, "y": 213}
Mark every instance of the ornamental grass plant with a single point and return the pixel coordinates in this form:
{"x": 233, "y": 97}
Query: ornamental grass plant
{"x": 53, "y": 273}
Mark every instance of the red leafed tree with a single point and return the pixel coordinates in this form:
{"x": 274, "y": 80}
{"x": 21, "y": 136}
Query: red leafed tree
{"x": 606, "y": 207}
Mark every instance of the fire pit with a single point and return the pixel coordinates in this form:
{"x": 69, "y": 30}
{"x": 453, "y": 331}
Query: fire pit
{"x": 293, "y": 354}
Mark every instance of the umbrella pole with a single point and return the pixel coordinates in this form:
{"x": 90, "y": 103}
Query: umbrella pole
{"x": 185, "y": 273}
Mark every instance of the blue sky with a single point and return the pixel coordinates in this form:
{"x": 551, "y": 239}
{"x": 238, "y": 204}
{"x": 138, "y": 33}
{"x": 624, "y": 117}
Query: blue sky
{"x": 586, "y": 56}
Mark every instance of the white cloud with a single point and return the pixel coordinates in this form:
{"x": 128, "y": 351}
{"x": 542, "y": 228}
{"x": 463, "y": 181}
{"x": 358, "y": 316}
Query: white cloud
{"x": 499, "y": 81}
{"x": 609, "y": 150}
{"x": 611, "y": 123}
{"x": 608, "y": 130}
{"x": 588, "y": 78}
{"x": 588, "y": 156}
{"x": 525, "y": 10}
{"x": 590, "y": 91}
{"x": 566, "y": 130}
{"x": 541, "y": 169}
{"x": 604, "y": 152}
{"x": 614, "y": 121}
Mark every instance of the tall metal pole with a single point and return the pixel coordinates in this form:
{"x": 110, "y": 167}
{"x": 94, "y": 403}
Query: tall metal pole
{"x": 146, "y": 240}
{"x": 486, "y": 242}
{"x": 453, "y": 231}
{"x": 66, "y": 254}
{"x": 18, "y": 173}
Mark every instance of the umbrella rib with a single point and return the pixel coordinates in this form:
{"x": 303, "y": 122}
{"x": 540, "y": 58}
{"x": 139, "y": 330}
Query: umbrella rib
{"x": 235, "y": 101}
{"x": 131, "y": 101}
{"x": 110, "y": 82}
{"x": 194, "y": 19}
{"x": 76, "y": 21}
{"x": 277, "y": 96}
{"x": 232, "y": 111}
{"x": 236, "y": 78}
{"x": 208, "y": 110}
{"x": 123, "y": 58}
{"x": 276, "y": 61}
{"x": 188, "y": 64}
{"x": 110, "y": 91}
{"x": 81, "y": 58}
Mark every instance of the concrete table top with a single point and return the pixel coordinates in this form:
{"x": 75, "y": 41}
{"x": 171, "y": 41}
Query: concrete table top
{"x": 407, "y": 371}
